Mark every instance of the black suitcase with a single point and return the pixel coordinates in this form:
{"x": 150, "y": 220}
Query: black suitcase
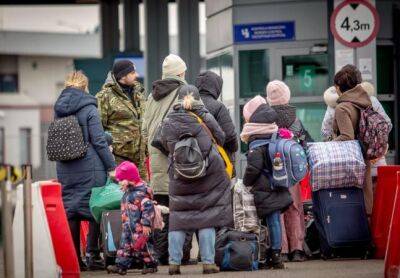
{"x": 342, "y": 223}
{"x": 111, "y": 227}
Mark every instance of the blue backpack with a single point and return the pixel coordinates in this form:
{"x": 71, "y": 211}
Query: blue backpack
{"x": 289, "y": 161}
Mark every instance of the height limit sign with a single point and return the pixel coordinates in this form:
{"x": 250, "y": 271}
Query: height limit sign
{"x": 355, "y": 23}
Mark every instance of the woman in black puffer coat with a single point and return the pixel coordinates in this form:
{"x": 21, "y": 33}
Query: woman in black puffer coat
{"x": 199, "y": 204}
{"x": 270, "y": 202}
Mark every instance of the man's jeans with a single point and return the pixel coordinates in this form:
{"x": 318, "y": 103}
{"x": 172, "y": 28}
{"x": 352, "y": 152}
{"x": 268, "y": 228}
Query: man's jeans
{"x": 176, "y": 240}
{"x": 275, "y": 231}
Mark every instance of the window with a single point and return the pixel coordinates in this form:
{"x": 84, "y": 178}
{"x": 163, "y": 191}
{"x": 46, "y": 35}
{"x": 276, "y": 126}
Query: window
{"x": 384, "y": 69}
{"x": 8, "y": 83}
{"x": 389, "y": 109}
{"x": 213, "y": 65}
{"x": 311, "y": 115}
{"x": 223, "y": 66}
{"x": 25, "y": 146}
{"x": 253, "y": 72}
{"x": 2, "y": 146}
{"x": 306, "y": 75}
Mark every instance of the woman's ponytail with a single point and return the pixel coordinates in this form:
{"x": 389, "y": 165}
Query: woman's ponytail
{"x": 188, "y": 101}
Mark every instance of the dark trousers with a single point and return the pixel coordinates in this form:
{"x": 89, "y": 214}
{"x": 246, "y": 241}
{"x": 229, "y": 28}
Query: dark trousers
{"x": 93, "y": 236}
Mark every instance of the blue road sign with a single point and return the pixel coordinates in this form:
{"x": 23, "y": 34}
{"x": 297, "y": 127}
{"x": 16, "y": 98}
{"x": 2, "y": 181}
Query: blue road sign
{"x": 260, "y": 32}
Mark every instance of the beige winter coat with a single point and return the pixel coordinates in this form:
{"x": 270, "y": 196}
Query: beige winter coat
{"x": 161, "y": 98}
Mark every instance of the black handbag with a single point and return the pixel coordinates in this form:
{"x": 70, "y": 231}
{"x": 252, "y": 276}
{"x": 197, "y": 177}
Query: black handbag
{"x": 156, "y": 142}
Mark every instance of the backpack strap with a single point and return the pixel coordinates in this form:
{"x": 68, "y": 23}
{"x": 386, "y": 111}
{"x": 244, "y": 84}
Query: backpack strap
{"x": 258, "y": 143}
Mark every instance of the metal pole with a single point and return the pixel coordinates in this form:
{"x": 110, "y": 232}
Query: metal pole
{"x": 8, "y": 251}
{"x": 28, "y": 236}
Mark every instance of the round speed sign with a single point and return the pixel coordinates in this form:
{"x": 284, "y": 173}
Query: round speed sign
{"x": 355, "y": 23}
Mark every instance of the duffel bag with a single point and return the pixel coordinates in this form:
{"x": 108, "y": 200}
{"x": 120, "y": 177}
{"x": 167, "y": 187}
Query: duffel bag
{"x": 336, "y": 164}
{"x": 236, "y": 250}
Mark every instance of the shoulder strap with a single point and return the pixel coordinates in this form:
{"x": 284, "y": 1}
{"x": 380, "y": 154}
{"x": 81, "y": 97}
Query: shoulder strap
{"x": 172, "y": 102}
{"x": 201, "y": 122}
{"x": 258, "y": 143}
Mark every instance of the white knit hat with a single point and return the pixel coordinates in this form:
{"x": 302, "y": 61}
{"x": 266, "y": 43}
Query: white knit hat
{"x": 173, "y": 65}
{"x": 331, "y": 97}
{"x": 369, "y": 88}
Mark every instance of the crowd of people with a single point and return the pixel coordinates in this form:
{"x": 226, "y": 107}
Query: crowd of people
{"x": 122, "y": 128}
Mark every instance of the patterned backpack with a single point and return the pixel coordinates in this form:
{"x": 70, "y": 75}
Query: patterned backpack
{"x": 373, "y": 133}
{"x": 65, "y": 140}
{"x": 289, "y": 161}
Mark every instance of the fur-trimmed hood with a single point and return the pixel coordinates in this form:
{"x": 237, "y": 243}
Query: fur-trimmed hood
{"x": 331, "y": 97}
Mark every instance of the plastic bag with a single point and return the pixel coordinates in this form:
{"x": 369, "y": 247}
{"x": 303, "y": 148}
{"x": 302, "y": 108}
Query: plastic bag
{"x": 104, "y": 198}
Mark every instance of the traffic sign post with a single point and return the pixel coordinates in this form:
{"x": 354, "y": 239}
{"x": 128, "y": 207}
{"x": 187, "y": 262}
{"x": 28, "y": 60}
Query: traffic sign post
{"x": 355, "y": 23}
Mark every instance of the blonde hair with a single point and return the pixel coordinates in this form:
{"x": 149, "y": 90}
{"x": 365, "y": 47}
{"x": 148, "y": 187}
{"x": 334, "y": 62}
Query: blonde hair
{"x": 77, "y": 79}
{"x": 188, "y": 101}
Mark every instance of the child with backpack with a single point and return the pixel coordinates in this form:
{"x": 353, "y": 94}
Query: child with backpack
{"x": 293, "y": 226}
{"x": 270, "y": 201}
{"x": 199, "y": 187}
{"x": 137, "y": 212}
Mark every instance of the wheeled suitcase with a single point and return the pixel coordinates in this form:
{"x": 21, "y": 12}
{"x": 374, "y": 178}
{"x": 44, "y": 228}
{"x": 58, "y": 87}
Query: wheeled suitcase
{"x": 111, "y": 226}
{"x": 342, "y": 222}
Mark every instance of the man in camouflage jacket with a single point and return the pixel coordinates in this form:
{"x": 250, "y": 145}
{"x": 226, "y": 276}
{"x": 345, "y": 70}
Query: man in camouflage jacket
{"x": 121, "y": 106}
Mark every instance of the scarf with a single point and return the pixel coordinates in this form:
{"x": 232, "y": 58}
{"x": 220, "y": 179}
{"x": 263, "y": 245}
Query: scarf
{"x": 250, "y": 129}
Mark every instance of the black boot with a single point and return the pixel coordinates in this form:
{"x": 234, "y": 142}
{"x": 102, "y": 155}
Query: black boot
{"x": 298, "y": 256}
{"x": 149, "y": 268}
{"x": 276, "y": 260}
{"x": 116, "y": 269}
{"x": 94, "y": 262}
{"x": 82, "y": 265}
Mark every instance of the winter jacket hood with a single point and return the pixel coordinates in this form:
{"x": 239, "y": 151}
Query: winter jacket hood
{"x": 357, "y": 96}
{"x": 162, "y": 88}
{"x": 264, "y": 115}
{"x": 71, "y": 101}
{"x": 331, "y": 97}
{"x": 209, "y": 83}
{"x": 286, "y": 115}
{"x": 347, "y": 113}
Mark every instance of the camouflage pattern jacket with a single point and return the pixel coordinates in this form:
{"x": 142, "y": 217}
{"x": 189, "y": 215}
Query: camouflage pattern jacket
{"x": 122, "y": 117}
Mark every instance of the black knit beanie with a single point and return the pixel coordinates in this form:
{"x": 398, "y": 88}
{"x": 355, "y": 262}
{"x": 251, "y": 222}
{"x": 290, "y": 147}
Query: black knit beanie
{"x": 122, "y": 68}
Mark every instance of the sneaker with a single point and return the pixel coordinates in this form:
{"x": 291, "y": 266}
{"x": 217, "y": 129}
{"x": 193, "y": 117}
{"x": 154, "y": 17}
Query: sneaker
{"x": 276, "y": 260}
{"x": 174, "y": 269}
{"x": 115, "y": 269}
{"x": 94, "y": 263}
{"x": 298, "y": 256}
{"x": 210, "y": 268}
{"x": 149, "y": 268}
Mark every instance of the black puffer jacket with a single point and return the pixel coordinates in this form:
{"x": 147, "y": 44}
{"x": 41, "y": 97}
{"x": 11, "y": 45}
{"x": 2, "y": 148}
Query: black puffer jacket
{"x": 266, "y": 199}
{"x": 210, "y": 86}
{"x": 205, "y": 202}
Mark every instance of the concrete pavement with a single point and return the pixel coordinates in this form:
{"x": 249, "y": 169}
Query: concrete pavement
{"x": 309, "y": 269}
